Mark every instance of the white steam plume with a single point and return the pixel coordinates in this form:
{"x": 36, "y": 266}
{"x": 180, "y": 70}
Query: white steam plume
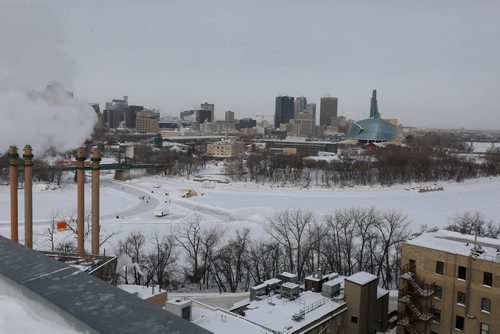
{"x": 34, "y": 106}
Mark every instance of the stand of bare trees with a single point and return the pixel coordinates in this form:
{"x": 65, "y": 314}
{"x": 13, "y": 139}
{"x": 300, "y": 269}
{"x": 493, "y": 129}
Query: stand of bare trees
{"x": 391, "y": 165}
{"x": 345, "y": 241}
{"x": 472, "y": 222}
{"x": 169, "y": 163}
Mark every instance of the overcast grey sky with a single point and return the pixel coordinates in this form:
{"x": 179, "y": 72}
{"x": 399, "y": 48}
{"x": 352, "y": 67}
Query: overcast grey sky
{"x": 434, "y": 63}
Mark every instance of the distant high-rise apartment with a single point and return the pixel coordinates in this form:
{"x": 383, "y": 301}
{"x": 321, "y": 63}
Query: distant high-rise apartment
{"x": 284, "y": 110}
{"x": 229, "y": 116}
{"x": 311, "y": 109}
{"x": 148, "y": 121}
{"x": 373, "y": 105}
{"x": 327, "y": 110}
{"x": 209, "y": 107}
{"x": 247, "y": 123}
{"x": 300, "y": 105}
{"x": 114, "y": 112}
{"x": 130, "y": 116}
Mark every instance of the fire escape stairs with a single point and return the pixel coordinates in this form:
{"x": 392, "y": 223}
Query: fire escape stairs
{"x": 405, "y": 322}
{"x": 424, "y": 292}
{"x": 421, "y": 315}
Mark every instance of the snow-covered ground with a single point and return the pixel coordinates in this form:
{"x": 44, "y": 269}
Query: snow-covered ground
{"x": 236, "y": 205}
{"x": 482, "y": 147}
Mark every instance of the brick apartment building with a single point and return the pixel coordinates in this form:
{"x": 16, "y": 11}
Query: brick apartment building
{"x": 449, "y": 283}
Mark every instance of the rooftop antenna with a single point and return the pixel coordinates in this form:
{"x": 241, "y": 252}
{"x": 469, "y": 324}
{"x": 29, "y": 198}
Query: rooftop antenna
{"x": 477, "y": 248}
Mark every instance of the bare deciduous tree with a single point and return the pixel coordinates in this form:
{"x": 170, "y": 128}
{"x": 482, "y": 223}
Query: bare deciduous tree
{"x": 290, "y": 228}
{"x": 160, "y": 260}
{"x": 472, "y": 222}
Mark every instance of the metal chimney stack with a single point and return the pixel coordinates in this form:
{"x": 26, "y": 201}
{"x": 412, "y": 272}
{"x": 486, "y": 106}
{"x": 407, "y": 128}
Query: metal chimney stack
{"x": 80, "y": 220}
{"x": 28, "y": 196}
{"x": 96, "y": 167}
{"x": 13, "y": 159}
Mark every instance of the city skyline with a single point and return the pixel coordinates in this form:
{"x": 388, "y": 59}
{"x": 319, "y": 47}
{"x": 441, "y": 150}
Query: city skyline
{"x": 433, "y": 64}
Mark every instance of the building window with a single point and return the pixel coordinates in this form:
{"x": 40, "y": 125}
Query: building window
{"x": 486, "y": 304}
{"x": 459, "y": 323}
{"x": 460, "y": 298}
{"x": 436, "y": 315}
{"x": 439, "y": 267}
{"x": 438, "y": 292}
{"x": 462, "y": 272}
{"x": 485, "y": 329}
{"x": 354, "y": 319}
{"x": 413, "y": 265}
{"x": 488, "y": 279}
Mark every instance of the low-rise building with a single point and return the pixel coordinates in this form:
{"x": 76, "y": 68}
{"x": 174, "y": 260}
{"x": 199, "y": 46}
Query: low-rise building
{"x": 225, "y": 149}
{"x": 303, "y": 147}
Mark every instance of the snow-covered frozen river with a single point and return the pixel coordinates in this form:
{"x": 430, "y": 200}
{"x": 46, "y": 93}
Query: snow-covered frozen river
{"x": 245, "y": 204}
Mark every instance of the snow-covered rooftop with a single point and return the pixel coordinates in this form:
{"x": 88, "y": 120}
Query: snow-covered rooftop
{"x": 287, "y": 274}
{"x": 179, "y": 301}
{"x": 141, "y": 291}
{"x": 276, "y": 313}
{"x": 361, "y": 278}
{"x": 335, "y": 281}
{"x": 266, "y": 283}
{"x": 381, "y": 292}
{"x": 457, "y": 243}
{"x": 222, "y": 322}
{"x": 289, "y": 285}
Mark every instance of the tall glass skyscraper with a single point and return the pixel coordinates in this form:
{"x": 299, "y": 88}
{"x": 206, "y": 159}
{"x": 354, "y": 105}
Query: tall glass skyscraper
{"x": 284, "y": 110}
{"x": 327, "y": 110}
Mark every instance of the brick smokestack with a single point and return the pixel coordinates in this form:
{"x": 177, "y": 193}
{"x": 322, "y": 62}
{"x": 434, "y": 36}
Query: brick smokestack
{"x": 28, "y": 196}
{"x": 13, "y": 159}
{"x": 80, "y": 180}
{"x": 96, "y": 167}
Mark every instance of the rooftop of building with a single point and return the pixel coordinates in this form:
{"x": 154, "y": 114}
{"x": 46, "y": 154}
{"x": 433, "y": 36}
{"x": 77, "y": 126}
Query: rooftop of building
{"x": 457, "y": 243}
{"x": 141, "y": 291}
{"x": 319, "y": 277}
{"x": 289, "y": 275}
{"x": 224, "y": 322}
{"x": 361, "y": 278}
{"x": 271, "y": 281}
{"x": 276, "y": 312}
{"x": 82, "y": 297}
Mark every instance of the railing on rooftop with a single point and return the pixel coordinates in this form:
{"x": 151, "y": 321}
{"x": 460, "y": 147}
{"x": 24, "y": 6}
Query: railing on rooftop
{"x": 308, "y": 308}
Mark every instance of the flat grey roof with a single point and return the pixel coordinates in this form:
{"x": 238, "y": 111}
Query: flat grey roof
{"x": 94, "y": 302}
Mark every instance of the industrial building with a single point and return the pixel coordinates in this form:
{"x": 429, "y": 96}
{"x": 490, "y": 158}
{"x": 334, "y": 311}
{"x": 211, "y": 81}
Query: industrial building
{"x": 450, "y": 283}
